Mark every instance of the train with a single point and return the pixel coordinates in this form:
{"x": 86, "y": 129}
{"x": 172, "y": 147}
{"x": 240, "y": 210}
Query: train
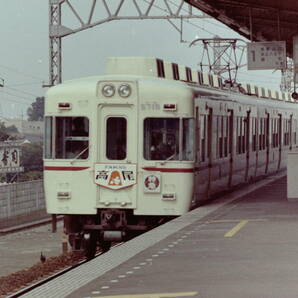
{"x": 149, "y": 140}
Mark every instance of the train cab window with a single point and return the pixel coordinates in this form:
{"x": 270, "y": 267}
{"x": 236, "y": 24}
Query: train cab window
{"x": 161, "y": 139}
{"x": 72, "y": 138}
{"x": 162, "y": 135}
{"x": 116, "y": 138}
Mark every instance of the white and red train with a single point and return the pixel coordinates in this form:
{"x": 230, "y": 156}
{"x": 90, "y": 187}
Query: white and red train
{"x": 150, "y": 140}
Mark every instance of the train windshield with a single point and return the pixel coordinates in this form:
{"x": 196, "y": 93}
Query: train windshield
{"x": 162, "y": 139}
{"x": 71, "y": 138}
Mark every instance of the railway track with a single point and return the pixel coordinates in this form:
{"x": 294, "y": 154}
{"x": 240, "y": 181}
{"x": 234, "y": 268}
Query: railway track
{"x": 52, "y": 276}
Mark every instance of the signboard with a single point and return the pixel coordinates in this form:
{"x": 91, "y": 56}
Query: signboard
{"x": 152, "y": 183}
{"x": 115, "y": 176}
{"x": 10, "y": 153}
{"x": 266, "y": 55}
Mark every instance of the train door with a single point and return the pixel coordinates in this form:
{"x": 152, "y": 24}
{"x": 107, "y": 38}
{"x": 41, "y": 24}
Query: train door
{"x": 231, "y": 145}
{"x": 247, "y": 142}
{"x": 262, "y": 156}
{"x": 241, "y": 153}
{"x": 279, "y": 138}
{"x": 116, "y": 165}
{"x": 203, "y": 150}
{"x": 291, "y": 132}
{"x": 267, "y": 142}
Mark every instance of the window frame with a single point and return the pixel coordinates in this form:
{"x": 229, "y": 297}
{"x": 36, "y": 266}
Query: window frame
{"x": 54, "y": 134}
{"x": 106, "y": 136}
{"x": 179, "y": 140}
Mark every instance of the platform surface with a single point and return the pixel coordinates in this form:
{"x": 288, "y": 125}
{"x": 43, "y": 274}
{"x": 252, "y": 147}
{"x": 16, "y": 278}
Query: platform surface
{"x": 243, "y": 245}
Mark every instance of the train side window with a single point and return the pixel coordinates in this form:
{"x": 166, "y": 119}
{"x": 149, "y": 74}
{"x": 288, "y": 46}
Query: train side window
{"x": 267, "y": 130}
{"x": 254, "y": 134}
{"x": 187, "y": 139}
{"x": 160, "y": 68}
{"x": 188, "y": 74}
{"x": 48, "y": 137}
{"x": 275, "y": 132}
{"x": 262, "y": 134}
{"x": 203, "y": 136}
{"x": 294, "y": 131}
{"x": 273, "y": 129}
{"x": 226, "y": 133}
{"x": 175, "y": 70}
{"x": 243, "y": 134}
{"x": 287, "y": 132}
{"x": 116, "y": 138}
{"x": 241, "y": 128}
{"x": 72, "y": 138}
{"x": 161, "y": 139}
{"x": 220, "y": 136}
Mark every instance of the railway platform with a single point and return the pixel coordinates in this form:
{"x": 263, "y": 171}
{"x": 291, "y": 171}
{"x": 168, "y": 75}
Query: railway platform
{"x": 243, "y": 245}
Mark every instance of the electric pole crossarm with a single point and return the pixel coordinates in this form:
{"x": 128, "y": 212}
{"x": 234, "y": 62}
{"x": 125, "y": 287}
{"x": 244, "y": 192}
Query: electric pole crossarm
{"x": 166, "y": 12}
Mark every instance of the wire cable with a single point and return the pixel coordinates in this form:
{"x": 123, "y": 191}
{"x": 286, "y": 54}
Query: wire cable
{"x": 20, "y": 72}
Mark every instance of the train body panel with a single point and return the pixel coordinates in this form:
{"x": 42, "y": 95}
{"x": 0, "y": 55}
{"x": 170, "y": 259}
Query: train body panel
{"x": 65, "y": 186}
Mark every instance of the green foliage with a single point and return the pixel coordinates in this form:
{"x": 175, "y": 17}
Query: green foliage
{"x": 29, "y": 176}
{"x": 32, "y": 157}
{"x": 36, "y": 111}
{"x": 3, "y": 132}
{"x": 7, "y": 132}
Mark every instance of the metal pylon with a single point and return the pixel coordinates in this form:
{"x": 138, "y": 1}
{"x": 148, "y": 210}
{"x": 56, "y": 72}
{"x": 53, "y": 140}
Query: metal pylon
{"x": 221, "y": 56}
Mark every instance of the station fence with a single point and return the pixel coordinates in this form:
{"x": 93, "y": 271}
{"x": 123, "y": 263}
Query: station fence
{"x": 21, "y": 200}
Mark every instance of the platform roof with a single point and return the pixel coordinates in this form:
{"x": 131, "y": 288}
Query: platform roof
{"x": 267, "y": 19}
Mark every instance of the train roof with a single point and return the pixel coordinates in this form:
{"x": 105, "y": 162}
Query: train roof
{"x": 158, "y": 68}
{"x": 149, "y": 67}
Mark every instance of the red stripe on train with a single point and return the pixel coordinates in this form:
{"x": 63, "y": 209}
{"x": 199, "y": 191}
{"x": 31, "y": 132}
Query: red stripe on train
{"x": 170, "y": 170}
{"x": 48, "y": 168}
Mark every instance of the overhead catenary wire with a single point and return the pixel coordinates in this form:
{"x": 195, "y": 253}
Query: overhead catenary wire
{"x": 28, "y": 100}
{"x": 20, "y": 72}
{"x": 21, "y": 91}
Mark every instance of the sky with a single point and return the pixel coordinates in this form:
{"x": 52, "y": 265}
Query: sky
{"x": 24, "y": 50}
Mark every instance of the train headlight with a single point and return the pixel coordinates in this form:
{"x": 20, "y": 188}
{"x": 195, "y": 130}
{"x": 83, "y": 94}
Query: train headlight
{"x": 108, "y": 90}
{"x": 124, "y": 90}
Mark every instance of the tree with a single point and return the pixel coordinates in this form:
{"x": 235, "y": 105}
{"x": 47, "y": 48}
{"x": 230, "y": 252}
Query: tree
{"x": 32, "y": 157}
{"x": 36, "y": 111}
{"x": 7, "y": 132}
{"x": 3, "y": 132}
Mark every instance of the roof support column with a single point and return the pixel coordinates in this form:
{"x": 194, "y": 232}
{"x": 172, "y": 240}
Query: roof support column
{"x": 250, "y": 24}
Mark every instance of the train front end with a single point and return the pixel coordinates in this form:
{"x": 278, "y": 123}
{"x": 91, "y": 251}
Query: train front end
{"x": 119, "y": 154}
